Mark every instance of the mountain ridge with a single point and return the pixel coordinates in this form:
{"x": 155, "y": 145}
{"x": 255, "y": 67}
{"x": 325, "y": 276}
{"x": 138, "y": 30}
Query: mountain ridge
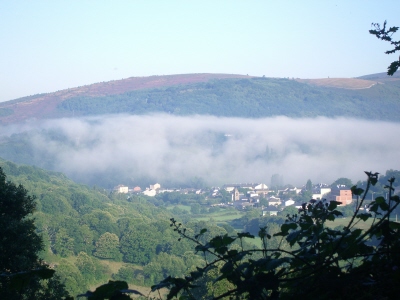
{"x": 47, "y": 105}
{"x": 30, "y": 106}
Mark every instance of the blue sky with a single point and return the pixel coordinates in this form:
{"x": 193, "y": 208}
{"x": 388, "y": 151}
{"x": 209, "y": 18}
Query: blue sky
{"x": 53, "y": 45}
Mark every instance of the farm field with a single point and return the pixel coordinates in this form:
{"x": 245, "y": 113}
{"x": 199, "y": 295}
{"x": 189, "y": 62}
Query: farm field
{"x": 221, "y": 216}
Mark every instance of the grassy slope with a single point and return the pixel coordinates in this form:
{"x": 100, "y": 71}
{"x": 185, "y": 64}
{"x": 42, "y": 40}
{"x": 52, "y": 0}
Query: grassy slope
{"x": 249, "y": 98}
{"x": 45, "y": 105}
{"x": 208, "y": 93}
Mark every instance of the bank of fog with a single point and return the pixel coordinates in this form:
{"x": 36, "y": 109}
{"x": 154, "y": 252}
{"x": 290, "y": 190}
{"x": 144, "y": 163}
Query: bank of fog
{"x": 123, "y": 149}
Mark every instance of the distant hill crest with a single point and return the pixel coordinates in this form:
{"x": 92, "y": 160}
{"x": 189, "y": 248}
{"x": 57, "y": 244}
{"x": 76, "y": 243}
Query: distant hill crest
{"x": 52, "y": 105}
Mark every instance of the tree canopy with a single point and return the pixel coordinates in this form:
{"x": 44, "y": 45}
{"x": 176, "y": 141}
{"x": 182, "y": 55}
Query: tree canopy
{"x": 22, "y": 274}
{"x": 385, "y": 34}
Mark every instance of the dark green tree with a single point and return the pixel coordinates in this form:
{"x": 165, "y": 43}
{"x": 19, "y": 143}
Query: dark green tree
{"x": 85, "y": 265}
{"x": 342, "y": 181}
{"x": 385, "y": 34}
{"x": 107, "y": 247}
{"x": 276, "y": 181}
{"x": 71, "y": 277}
{"x": 309, "y": 185}
{"x": 101, "y": 222}
{"x": 139, "y": 245}
{"x": 225, "y": 196}
{"x": 289, "y": 210}
{"x": 22, "y": 274}
{"x": 130, "y": 274}
{"x": 64, "y": 244}
{"x": 304, "y": 196}
{"x": 195, "y": 208}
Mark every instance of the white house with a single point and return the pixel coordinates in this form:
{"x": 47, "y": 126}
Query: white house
{"x": 274, "y": 201}
{"x": 150, "y": 193}
{"x": 229, "y": 188}
{"x": 252, "y": 195}
{"x": 261, "y": 186}
{"x": 289, "y": 202}
{"x": 122, "y": 189}
{"x": 155, "y": 186}
{"x": 320, "y": 191}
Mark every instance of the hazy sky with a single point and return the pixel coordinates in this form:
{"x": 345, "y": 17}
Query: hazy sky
{"x": 53, "y": 45}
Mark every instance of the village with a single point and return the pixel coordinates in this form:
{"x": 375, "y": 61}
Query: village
{"x": 244, "y": 196}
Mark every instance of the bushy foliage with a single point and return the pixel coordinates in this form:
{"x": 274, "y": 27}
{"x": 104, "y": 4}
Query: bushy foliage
{"x": 385, "y": 34}
{"x": 22, "y": 274}
{"x": 85, "y": 226}
{"x": 71, "y": 277}
{"x": 107, "y": 247}
{"x": 130, "y": 274}
{"x": 320, "y": 263}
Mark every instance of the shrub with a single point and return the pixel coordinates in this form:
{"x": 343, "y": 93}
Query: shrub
{"x": 311, "y": 260}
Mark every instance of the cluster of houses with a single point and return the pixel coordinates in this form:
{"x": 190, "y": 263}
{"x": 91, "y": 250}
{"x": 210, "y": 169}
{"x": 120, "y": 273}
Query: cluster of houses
{"x": 271, "y": 203}
{"x": 339, "y": 193}
{"x": 150, "y": 191}
{"x": 282, "y": 198}
{"x": 255, "y": 192}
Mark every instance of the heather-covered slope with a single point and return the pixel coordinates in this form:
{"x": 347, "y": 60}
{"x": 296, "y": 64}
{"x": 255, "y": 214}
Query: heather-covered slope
{"x": 251, "y": 98}
{"x": 45, "y": 105}
{"x": 217, "y": 94}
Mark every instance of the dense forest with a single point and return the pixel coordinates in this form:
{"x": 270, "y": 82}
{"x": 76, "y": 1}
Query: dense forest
{"x": 92, "y": 235}
{"x": 249, "y": 98}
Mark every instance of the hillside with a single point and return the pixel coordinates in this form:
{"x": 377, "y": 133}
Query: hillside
{"x": 92, "y": 236}
{"x": 252, "y": 98}
{"x": 45, "y": 105}
{"x": 342, "y": 83}
{"x": 217, "y": 94}
{"x": 74, "y": 220}
{"x": 362, "y": 82}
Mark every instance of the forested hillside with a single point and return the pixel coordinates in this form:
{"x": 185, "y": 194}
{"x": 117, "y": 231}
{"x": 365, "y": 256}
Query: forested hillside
{"x": 219, "y": 95}
{"x": 92, "y": 236}
{"x": 250, "y": 98}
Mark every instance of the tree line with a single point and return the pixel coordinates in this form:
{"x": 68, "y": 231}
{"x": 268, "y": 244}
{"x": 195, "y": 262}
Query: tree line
{"x": 248, "y": 98}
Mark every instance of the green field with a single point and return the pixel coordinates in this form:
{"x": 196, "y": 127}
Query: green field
{"x": 221, "y": 216}
{"x": 364, "y": 225}
{"x": 180, "y": 206}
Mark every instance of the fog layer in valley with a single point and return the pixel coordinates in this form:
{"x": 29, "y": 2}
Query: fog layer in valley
{"x": 167, "y": 148}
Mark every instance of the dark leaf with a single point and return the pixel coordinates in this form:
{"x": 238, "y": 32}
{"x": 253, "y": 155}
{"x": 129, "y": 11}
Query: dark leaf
{"x": 394, "y": 225}
{"x": 395, "y": 198}
{"x": 292, "y": 237}
{"x": 356, "y": 191}
{"x": 364, "y": 216}
{"x": 245, "y": 234}
{"x": 204, "y": 230}
{"x": 287, "y": 226}
{"x": 380, "y": 200}
{"x": 333, "y": 205}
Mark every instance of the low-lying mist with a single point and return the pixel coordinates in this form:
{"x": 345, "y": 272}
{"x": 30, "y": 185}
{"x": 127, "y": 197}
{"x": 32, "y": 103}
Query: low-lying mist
{"x": 172, "y": 150}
